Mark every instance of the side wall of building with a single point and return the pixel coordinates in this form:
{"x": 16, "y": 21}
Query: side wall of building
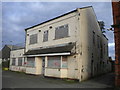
{"x": 91, "y": 45}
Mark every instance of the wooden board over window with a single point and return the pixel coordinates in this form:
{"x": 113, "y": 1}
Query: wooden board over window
{"x": 33, "y": 39}
{"x": 45, "y": 36}
{"x": 54, "y": 62}
{"x": 31, "y": 62}
{"x": 61, "y": 31}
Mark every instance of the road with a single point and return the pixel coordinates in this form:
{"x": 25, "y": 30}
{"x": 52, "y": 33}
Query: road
{"x": 20, "y": 80}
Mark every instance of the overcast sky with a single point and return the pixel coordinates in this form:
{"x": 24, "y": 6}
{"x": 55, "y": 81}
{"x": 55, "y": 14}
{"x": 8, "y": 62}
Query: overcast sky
{"x": 16, "y": 16}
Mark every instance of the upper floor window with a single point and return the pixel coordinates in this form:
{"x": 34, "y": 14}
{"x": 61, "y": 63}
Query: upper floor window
{"x": 61, "y": 31}
{"x": 45, "y": 36}
{"x": 33, "y": 39}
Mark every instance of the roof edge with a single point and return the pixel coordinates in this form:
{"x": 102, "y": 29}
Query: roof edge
{"x": 56, "y": 17}
{"x": 51, "y": 19}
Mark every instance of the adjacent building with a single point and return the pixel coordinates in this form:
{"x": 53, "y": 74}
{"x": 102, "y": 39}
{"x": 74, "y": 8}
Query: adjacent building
{"x": 5, "y": 52}
{"x": 68, "y": 46}
{"x": 17, "y": 62}
{"x": 116, "y": 26}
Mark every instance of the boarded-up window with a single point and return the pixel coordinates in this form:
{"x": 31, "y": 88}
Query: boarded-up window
{"x": 33, "y": 39}
{"x": 45, "y": 36}
{"x": 98, "y": 41}
{"x": 61, "y": 32}
{"x": 93, "y": 38}
{"x": 20, "y": 61}
{"x": 13, "y": 61}
{"x": 64, "y": 61}
{"x": 31, "y": 62}
{"x": 54, "y": 62}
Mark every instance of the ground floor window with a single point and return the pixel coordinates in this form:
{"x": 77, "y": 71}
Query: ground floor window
{"x": 64, "y": 62}
{"x": 54, "y": 62}
{"x": 20, "y": 61}
{"x": 13, "y": 61}
{"x": 31, "y": 61}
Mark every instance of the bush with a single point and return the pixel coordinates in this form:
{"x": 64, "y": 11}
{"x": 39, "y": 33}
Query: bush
{"x": 5, "y": 64}
{"x": 5, "y": 69}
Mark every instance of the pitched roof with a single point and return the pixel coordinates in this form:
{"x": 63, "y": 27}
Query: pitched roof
{"x": 14, "y": 47}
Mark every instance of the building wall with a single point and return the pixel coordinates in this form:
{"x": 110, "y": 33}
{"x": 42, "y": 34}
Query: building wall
{"x": 90, "y": 51}
{"x": 6, "y": 53}
{"x": 87, "y": 62}
{"x": 72, "y": 21}
{"x": 56, "y": 72}
{"x": 68, "y": 19}
{"x": 116, "y": 26}
{"x": 16, "y": 54}
{"x": 73, "y": 70}
{"x": 37, "y": 69}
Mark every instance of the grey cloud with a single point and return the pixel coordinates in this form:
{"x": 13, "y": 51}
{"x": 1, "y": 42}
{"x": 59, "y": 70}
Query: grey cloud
{"x": 18, "y": 16}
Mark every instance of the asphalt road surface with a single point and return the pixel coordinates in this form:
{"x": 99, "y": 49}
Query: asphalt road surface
{"x": 21, "y": 80}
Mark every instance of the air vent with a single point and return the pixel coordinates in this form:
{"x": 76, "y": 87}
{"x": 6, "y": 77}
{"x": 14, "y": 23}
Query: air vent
{"x": 39, "y": 30}
{"x": 50, "y": 27}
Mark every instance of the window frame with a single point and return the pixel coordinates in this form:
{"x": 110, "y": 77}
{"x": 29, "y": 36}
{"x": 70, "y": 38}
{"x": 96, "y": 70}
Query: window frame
{"x": 44, "y": 36}
{"x": 28, "y": 65}
{"x": 63, "y": 61}
{"x": 58, "y": 28}
{"x": 33, "y": 36}
{"x": 52, "y": 66}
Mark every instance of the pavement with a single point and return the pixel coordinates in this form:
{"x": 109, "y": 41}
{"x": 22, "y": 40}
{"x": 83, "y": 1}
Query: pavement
{"x": 12, "y": 79}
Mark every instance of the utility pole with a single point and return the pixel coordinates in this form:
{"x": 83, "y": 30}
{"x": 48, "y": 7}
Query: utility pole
{"x": 116, "y": 26}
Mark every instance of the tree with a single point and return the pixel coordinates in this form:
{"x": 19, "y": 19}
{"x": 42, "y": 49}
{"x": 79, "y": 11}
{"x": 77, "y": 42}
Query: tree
{"x": 102, "y": 26}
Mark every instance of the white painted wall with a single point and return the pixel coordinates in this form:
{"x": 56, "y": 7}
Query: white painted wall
{"x": 37, "y": 70}
{"x": 88, "y": 24}
{"x": 80, "y": 31}
{"x": 68, "y": 19}
{"x": 16, "y": 54}
{"x": 53, "y": 72}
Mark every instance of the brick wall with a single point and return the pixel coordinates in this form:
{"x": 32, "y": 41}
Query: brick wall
{"x": 116, "y": 19}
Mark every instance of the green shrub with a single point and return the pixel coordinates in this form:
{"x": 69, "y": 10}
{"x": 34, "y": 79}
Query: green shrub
{"x": 5, "y": 64}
